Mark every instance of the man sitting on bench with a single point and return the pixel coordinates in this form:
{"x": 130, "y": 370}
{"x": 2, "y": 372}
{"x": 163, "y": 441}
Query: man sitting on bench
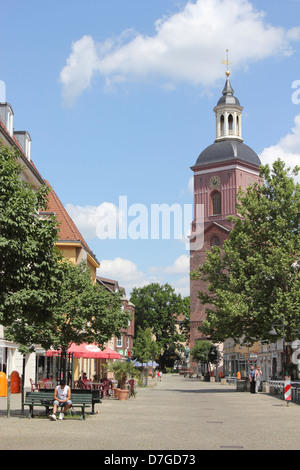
{"x": 62, "y": 397}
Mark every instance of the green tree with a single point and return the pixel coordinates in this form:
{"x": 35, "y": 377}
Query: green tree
{"x": 205, "y": 352}
{"x": 145, "y": 348}
{"x": 122, "y": 370}
{"x": 158, "y": 307}
{"x": 84, "y": 313}
{"x": 43, "y": 299}
{"x": 29, "y": 268}
{"x": 254, "y": 279}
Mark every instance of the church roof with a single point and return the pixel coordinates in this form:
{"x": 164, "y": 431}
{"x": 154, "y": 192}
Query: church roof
{"x": 226, "y": 150}
{"x": 228, "y": 97}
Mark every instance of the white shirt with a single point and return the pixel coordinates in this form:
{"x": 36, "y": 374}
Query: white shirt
{"x": 62, "y": 393}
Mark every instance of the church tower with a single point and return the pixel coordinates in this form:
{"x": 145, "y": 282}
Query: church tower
{"x": 219, "y": 172}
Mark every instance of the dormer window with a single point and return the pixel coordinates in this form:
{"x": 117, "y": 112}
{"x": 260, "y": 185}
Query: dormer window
{"x": 7, "y": 117}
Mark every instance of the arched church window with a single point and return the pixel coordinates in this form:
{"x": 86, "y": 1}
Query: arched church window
{"x": 222, "y": 125}
{"x": 230, "y": 124}
{"x": 216, "y": 203}
{"x": 238, "y": 125}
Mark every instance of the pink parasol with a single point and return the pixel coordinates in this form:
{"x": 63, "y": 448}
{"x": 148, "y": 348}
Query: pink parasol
{"x": 88, "y": 351}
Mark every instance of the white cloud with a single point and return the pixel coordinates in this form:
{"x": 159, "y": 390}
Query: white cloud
{"x": 187, "y": 47}
{"x": 180, "y": 266}
{"x": 287, "y": 149}
{"x": 182, "y": 286}
{"x": 96, "y": 221}
{"x": 124, "y": 271}
{"x": 77, "y": 75}
{"x": 177, "y": 275}
{"x": 128, "y": 275}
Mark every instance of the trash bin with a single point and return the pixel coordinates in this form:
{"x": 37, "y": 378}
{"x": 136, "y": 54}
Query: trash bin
{"x": 15, "y": 382}
{"x": 3, "y": 385}
{"x": 241, "y": 386}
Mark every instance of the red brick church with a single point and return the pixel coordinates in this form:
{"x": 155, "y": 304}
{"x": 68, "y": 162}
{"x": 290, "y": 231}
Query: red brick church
{"x": 220, "y": 170}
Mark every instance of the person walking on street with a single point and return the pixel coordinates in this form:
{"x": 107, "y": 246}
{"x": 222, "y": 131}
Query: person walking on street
{"x": 252, "y": 379}
{"x": 258, "y": 378}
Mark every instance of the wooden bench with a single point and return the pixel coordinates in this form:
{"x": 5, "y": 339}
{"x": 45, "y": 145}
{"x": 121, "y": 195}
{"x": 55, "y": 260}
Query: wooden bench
{"x": 79, "y": 400}
{"x": 185, "y": 372}
{"x": 96, "y": 395}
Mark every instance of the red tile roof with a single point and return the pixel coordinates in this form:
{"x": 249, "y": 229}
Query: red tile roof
{"x": 67, "y": 228}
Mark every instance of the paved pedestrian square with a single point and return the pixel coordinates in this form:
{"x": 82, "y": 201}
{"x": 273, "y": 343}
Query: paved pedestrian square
{"x": 178, "y": 414}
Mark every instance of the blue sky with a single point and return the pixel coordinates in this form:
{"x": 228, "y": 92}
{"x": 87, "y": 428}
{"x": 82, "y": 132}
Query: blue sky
{"x": 118, "y": 98}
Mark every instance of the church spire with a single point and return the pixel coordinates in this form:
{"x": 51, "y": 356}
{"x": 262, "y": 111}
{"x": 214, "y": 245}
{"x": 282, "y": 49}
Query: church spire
{"x": 228, "y": 112}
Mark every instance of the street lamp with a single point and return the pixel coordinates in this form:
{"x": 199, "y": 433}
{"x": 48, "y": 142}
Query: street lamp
{"x": 273, "y": 332}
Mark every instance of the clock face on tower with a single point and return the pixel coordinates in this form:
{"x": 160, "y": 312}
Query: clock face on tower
{"x": 214, "y": 182}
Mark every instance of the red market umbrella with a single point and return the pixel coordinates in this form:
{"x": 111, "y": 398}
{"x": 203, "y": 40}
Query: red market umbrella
{"x": 88, "y": 351}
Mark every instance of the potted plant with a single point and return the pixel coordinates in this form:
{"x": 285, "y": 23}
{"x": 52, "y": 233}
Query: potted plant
{"x": 122, "y": 370}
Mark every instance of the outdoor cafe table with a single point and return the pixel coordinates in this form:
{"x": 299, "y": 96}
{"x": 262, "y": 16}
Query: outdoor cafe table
{"x": 45, "y": 384}
{"x": 95, "y": 385}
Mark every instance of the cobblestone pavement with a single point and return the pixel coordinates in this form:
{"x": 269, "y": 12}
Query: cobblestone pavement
{"x": 177, "y": 414}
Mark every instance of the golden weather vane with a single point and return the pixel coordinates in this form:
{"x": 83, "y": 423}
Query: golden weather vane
{"x": 226, "y": 62}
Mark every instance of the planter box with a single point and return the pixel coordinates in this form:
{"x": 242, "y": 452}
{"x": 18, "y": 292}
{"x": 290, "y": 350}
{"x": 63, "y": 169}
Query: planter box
{"x": 123, "y": 394}
{"x": 266, "y": 387}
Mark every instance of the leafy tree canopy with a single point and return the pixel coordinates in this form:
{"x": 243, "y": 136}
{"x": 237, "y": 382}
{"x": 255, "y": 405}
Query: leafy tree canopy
{"x": 43, "y": 299}
{"x": 158, "y": 307}
{"x": 29, "y": 271}
{"x": 123, "y": 370}
{"x": 84, "y": 312}
{"x": 204, "y": 352}
{"x": 145, "y": 348}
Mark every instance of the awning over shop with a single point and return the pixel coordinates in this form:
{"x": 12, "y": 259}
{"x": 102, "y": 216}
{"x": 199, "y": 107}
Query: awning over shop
{"x": 87, "y": 351}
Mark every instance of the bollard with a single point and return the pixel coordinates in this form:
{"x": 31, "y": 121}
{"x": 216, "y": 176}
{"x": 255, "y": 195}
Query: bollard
{"x": 15, "y": 382}
{"x": 287, "y": 389}
{"x": 3, "y": 384}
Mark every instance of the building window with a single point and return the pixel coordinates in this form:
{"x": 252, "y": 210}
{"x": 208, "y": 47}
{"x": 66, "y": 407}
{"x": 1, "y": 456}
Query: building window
{"x": 222, "y": 125}
{"x": 230, "y": 124}
{"x": 119, "y": 342}
{"x": 216, "y": 203}
{"x": 215, "y": 241}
